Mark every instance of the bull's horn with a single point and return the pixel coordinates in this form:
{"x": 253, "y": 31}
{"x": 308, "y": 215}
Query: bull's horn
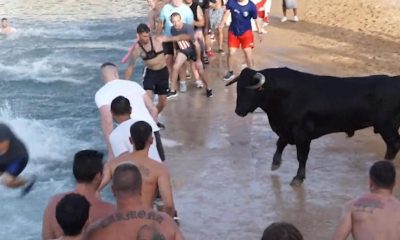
{"x": 261, "y": 81}
{"x": 232, "y": 81}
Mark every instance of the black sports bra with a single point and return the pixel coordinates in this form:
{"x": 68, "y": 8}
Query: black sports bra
{"x": 152, "y": 53}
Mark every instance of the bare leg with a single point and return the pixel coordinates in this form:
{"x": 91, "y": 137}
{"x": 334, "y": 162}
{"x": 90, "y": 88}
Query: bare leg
{"x": 179, "y": 61}
{"x": 162, "y": 102}
{"x": 249, "y": 57}
{"x": 202, "y": 73}
{"x": 231, "y": 52}
{"x": 220, "y": 37}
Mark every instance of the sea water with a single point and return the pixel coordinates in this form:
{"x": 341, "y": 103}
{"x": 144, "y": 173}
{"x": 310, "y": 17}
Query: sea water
{"x": 49, "y": 73}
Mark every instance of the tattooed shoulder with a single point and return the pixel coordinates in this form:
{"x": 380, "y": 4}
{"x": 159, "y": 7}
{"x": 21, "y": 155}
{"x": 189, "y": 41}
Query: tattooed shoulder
{"x": 368, "y": 205}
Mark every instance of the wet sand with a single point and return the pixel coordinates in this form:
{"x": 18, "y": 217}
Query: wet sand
{"x": 224, "y": 188}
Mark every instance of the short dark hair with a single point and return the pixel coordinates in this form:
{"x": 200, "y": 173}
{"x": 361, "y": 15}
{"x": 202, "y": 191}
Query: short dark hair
{"x": 120, "y": 106}
{"x": 107, "y": 64}
{"x": 4, "y": 19}
{"x": 140, "y": 133}
{"x": 174, "y": 14}
{"x": 127, "y": 178}
{"x": 87, "y": 163}
{"x": 72, "y": 212}
{"x": 281, "y": 231}
{"x": 383, "y": 174}
{"x": 142, "y": 28}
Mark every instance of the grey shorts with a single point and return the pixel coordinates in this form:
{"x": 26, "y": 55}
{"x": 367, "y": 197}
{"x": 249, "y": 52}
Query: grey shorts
{"x": 215, "y": 17}
{"x": 289, "y": 4}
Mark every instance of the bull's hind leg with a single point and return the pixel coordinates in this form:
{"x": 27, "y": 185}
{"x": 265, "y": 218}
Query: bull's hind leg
{"x": 277, "y": 160}
{"x": 302, "y": 154}
{"x": 392, "y": 140}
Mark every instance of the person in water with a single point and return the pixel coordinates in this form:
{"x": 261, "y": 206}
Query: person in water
{"x": 13, "y": 159}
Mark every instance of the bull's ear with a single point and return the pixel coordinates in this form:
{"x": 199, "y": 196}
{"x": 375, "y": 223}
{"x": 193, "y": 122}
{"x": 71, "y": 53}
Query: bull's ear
{"x": 232, "y": 81}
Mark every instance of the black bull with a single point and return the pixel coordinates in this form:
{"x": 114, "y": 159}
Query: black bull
{"x": 302, "y": 107}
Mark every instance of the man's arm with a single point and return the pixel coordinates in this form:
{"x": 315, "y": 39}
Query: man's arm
{"x": 224, "y": 18}
{"x": 345, "y": 223}
{"x": 151, "y": 107}
{"x": 200, "y": 18}
{"x": 180, "y": 37}
{"x": 107, "y": 126}
{"x": 131, "y": 67}
{"x": 107, "y": 175}
{"x": 165, "y": 188}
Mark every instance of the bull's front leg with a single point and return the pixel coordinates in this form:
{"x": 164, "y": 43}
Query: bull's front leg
{"x": 302, "y": 154}
{"x": 277, "y": 160}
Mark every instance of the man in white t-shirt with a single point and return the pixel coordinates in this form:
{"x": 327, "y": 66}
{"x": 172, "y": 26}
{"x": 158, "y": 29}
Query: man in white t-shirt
{"x": 120, "y": 137}
{"x": 142, "y": 106}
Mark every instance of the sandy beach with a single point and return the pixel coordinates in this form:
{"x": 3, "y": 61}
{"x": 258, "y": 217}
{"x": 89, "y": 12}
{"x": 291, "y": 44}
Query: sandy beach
{"x": 340, "y": 38}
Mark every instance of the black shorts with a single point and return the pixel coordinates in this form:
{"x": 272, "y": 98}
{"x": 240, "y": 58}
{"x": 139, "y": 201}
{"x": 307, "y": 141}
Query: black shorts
{"x": 189, "y": 53}
{"x": 168, "y": 48}
{"x": 15, "y": 167}
{"x": 156, "y": 80}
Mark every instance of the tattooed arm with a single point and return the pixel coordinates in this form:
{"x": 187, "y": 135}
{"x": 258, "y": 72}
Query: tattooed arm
{"x": 165, "y": 188}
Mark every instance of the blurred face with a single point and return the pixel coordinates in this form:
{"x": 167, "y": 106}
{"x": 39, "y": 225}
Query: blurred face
{"x": 144, "y": 37}
{"x": 176, "y": 3}
{"x": 176, "y": 21}
{"x": 4, "y": 145}
{"x": 4, "y": 23}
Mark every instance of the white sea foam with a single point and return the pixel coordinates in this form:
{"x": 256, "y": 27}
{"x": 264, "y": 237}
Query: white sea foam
{"x": 44, "y": 140}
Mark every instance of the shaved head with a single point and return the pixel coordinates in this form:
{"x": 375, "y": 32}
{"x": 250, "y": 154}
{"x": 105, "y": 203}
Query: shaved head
{"x": 109, "y": 71}
{"x": 127, "y": 180}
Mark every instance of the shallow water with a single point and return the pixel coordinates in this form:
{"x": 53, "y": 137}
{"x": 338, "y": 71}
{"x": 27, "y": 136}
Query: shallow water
{"x": 48, "y": 77}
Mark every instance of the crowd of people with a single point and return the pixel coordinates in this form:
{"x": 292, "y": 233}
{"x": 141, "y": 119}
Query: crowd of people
{"x": 176, "y": 38}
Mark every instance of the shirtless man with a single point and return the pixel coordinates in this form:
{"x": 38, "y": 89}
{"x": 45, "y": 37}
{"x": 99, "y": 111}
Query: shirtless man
{"x": 156, "y": 73}
{"x": 132, "y": 219}
{"x": 87, "y": 170}
{"x": 154, "y": 174}
{"x": 5, "y": 27}
{"x": 375, "y": 215}
{"x": 72, "y": 213}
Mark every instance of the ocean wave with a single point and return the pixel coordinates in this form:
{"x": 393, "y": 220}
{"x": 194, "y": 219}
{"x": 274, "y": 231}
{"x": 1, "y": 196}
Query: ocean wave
{"x": 44, "y": 139}
{"x": 45, "y": 70}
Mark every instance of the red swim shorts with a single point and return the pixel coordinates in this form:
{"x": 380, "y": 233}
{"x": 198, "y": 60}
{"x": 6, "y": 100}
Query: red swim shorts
{"x": 246, "y": 40}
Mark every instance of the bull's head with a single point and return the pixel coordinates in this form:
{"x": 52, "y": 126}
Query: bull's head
{"x": 249, "y": 82}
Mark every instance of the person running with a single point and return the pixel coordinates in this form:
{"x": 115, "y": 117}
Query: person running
{"x": 13, "y": 160}
{"x": 87, "y": 169}
{"x": 5, "y": 27}
{"x": 142, "y": 104}
{"x": 155, "y": 80}
{"x": 217, "y": 9}
{"x": 374, "y": 215}
{"x": 132, "y": 218}
{"x": 72, "y": 214}
{"x": 188, "y": 49}
{"x": 240, "y": 33}
{"x": 120, "y": 137}
{"x": 165, "y": 25}
{"x": 155, "y": 175}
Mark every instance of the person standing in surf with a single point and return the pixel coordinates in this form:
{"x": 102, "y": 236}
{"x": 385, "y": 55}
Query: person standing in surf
{"x": 13, "y": 159}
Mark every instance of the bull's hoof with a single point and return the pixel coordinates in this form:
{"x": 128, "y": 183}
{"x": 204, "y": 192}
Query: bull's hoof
{"x": 275, "y": 166}
{"x": 296, "y": 182}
